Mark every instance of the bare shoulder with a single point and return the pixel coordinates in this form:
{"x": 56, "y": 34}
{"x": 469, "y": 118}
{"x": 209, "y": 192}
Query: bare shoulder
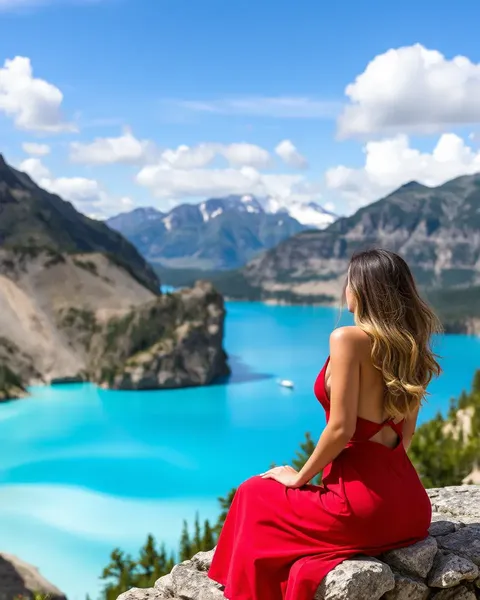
{"x": 350, "y": 338}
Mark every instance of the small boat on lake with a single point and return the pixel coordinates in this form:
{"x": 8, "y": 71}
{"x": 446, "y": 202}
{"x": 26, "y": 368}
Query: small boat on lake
{"x": 286, "y": 383}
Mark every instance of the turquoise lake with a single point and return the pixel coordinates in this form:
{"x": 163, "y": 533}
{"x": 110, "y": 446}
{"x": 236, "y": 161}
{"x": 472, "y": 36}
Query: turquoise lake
{"x": 84, "y": 470}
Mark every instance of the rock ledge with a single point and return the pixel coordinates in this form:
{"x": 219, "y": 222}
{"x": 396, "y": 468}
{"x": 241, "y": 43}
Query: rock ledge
{"x": 445, "y": 566}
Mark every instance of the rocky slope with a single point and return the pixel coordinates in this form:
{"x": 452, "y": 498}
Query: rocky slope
{"x": 445, "y": 566}
{"x": 172, "y": 341}
{"x": 437, "y": 230}
{"x": 66, "y": 317}
{"x": 220, "y": 233}
{"x": 19, "y": 579}
{"x": 77, "y": 301}
{"x": 32, "y": 217}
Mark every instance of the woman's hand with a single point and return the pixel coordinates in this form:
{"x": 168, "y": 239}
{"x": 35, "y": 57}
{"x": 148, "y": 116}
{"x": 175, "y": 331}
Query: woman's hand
{"x": 285, "y": 475}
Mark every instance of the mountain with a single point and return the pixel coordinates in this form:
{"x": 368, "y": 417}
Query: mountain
{"x": 310, "y": 214}
{"x": 220, "y": 233}
{"x": 437, "y": 230}
{"x": 129, "y": 221}
{"x": 32, "y": 216}
{"x": 78, "y": 302}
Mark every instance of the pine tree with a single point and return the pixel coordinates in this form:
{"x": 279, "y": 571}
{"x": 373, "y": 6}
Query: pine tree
{"x": 148, "y": 563}
{"x": 225, "y": 504}
{"x": 208, "y": 540}
{"x": 185, "y": 544}
{"x": 197, "y": 536}
{"x": 119, "y": 574}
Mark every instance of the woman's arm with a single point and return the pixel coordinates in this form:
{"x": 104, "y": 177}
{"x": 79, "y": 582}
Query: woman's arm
{"x": 345, "y": 352}
{"x": 409, "y": 428}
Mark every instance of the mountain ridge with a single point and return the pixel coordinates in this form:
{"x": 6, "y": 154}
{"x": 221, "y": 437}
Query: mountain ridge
{"x": 217, "y": 233}
{"x": 31, "y": 216}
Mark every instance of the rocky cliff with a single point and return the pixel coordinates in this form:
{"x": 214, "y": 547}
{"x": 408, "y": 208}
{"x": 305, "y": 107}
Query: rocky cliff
{"x": 172, "y": 341}
{"x": 78, "y": 302}
{"x": 67, "y": 317}
{"x": 20, "y": 580}
{"x": 445, "y": 566}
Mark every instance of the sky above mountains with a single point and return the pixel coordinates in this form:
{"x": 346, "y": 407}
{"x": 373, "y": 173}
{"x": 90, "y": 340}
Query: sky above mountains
{"x": 115, "y": 104}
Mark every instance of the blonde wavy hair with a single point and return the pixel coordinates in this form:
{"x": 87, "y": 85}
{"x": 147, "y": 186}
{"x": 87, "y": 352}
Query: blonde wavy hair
{"x": 388, "y": 307}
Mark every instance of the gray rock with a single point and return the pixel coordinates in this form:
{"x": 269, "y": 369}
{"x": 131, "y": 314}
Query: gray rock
{"x": 457, "y": 524}
{"x": 457, "y": 593}
{"x": 165, "y": 585}
{"x": 142, "y": 594}
{"x": 457, "y": 502}
{"x": 190, "y": 584}
{"x": 407, "y": 588}
{"x": 356, "y": 580}
{"x": 464, "y": 542}
{"x": 416, "y": 560}
{"x": 18, "y": 578}
{"x": 203, "y": 560}
{"x": 441, "y": 527}
{"x": 449, "y": 570}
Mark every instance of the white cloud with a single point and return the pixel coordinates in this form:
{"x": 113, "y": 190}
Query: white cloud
{"x": 35, "y": 168}
{"x": 34, "y": 104}
{"x": 412, "y": 89}
{"x": 196, "y": 157}
{"x": 36, "y": 149}
{"x": 391, "y": 163}
{"x": 239, "y": 155}
{"x": 128, "y": 149}
{"x": 103, "y": 151}
{"x": 275, "y": 107}
{"x": 287, "y": 151}
{"x": 186, "y": 157}
{"x": 88, "y": 195}
{"x": 167, "y": 182}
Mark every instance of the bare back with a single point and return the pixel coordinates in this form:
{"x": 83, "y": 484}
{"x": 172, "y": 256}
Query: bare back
{"x": 371, "y": 391}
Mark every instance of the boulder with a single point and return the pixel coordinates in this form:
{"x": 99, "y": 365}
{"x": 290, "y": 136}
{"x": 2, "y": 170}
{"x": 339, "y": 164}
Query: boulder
{"x": 464, "y": 542}
{"x": 450, "y": 570}
{"x": 458, "y": 593}
{"x": 356, "y": 580}
{"x": 416, "y": 560}
{"x": 408, "y": 588}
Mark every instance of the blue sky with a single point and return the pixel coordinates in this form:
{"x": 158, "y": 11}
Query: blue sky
{"x": 255, "y": 93}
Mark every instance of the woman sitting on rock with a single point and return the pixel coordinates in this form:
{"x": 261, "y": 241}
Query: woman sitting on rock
{"x": 282, "y": 535}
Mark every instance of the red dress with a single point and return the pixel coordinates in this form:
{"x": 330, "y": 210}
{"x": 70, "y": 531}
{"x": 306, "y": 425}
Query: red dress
{"x": 278, "y": 543}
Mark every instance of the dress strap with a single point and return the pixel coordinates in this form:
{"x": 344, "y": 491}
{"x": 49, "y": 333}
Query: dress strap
{"x": 397, "y": 427}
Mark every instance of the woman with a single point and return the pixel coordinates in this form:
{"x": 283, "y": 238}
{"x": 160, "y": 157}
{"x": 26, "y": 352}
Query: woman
{"x": 283, "y": 535}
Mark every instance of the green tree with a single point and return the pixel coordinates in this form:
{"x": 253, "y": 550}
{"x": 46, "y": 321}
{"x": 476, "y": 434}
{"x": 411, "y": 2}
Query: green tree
{"x": 208, "y": 540}
{"x": 119, "y": 574}
{"x": 149, "y": 563}
{"x": 185, "y": 551}
{"x": 225, "y": 503}
{"x": 445, "y": 451}
{"x": 197, "y": 536}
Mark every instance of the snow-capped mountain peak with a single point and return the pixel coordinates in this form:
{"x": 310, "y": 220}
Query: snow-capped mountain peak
{"x": 310, "y": 214}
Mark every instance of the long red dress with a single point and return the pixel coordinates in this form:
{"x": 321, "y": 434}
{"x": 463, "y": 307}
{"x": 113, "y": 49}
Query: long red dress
{"x": 278, "y": 543}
